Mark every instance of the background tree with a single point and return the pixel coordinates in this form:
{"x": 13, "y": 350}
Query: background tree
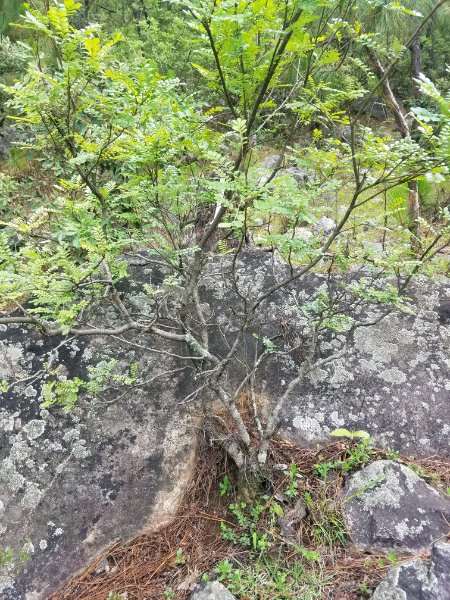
{"x": 399, "y": 27}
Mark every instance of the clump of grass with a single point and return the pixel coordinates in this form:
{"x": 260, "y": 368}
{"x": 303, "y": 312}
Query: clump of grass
{"x": 267, "y": 578}
{"x": 326, "y": 521}
{"x": 284, "y": 539}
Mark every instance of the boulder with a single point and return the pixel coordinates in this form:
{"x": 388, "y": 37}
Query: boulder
{"x": 303, "y": 233}
{"x": 72, "y": 482}
{"x": 325, "y": 225}
{"x": 276, "y": 161}
{"x": 418, "y": 579}
{"x": 374, "y": 109}
{"x": 271, "y": 161}
{"x": 300, "y": 175}
{"x": 6, "y": 139}
{"x": 388, "y": 507}
{"x": 212, "y": 590}
{"x": 393, "y": 381}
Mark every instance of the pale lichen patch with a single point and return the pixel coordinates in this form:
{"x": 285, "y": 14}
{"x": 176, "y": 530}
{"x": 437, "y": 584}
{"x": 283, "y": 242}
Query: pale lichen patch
{"x": 393, "y": 375}
{"x": 32, "y": 496}
{"x": 34, "y": 429}
{"x": 310, "y": 427}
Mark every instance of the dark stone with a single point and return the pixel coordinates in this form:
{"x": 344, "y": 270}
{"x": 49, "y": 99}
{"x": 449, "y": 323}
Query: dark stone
{"x": 388, "y": 507}
{"x": 444, "y": 311}
{"x": 8, "y": 135}
{"x": 372, "y": 108}
{"x": 418, "y": 579}
{"x": 300, "y": 175}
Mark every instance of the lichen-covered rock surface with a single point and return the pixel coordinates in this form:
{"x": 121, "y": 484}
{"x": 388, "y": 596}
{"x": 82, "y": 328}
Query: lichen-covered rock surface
{"x": 212, "y": 590}
{"x": 388, "y": 507}
{"x": 419, "y": 579}
{"x": 393, "y": 381}
{"x": 71, "y": 483}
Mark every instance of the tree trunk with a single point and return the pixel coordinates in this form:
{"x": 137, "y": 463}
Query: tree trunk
{"x": 413, "y": 205}
{"x": 416, "y": 65}
{"x": 144, "y": 10}
{"x": 389, "y": 96}
{"x": 413, "y": 187}
{"x": 414, "y": 214}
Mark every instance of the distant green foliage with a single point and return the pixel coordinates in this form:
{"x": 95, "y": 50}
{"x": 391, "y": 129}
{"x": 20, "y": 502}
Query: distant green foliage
{"x": 9, "y": 11}
{"x": 132, "y": 161}
{"x": 442, "y": 101}
{"x": 111, "y": 164}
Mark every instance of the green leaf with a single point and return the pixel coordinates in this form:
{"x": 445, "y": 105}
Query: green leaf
{"x": 71, "y": 6}
{"x": 308, "y": 554}
{"x": 276, "y": 509}
{"x": 82, "y": 157}
{"x": 342, "y": 432}
{"x": 93, "y": 46}
{"x": 204, "y": 72}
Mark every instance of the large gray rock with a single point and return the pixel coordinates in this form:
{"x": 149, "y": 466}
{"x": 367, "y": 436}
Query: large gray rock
{"x": 392, "y": 381}
{"x": 271, "y": 161}
{"x": 8, "y": 137}
{"x": 418, "y": 579}
{"x": 276, "y": 161}
{"x": 300, "y": 175}
{"x": 73, "y": 483}
{"x": 114, "y": 466}
{"x": 388, "y": 507}
{"x": 212, "y": 590}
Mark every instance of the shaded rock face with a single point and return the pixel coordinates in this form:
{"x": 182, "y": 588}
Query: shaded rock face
{"x": 72, "y": 483}
{"x": 388, "y": 507}
{"x": 419, "y": 580}
{"x": 212, "y": 590}
{"x": 276, "y": 161}
{"x": 8, "y": 136}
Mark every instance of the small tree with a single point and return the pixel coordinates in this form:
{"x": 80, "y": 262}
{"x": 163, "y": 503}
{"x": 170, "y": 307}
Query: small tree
{"x": 134, "y": 163}
{"x": 401, "y": 25}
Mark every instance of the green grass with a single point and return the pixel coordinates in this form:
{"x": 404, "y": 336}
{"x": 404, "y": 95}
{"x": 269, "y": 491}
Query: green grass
{"x": 271, "y": 566}
{"x": 270, "y": 578}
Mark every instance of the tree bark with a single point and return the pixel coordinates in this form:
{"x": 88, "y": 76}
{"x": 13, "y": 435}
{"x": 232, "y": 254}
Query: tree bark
{"x": 389, "y": 97}
{"x": 399, "y": 113}
{"x": 413, "y": 186}
{"x": 416, "y": 64}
